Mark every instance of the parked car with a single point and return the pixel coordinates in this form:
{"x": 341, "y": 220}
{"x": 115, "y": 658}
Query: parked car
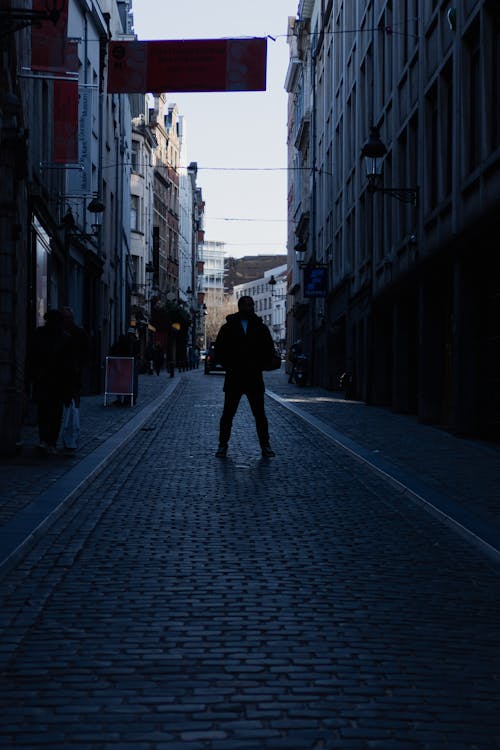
{"x": 211, "y": 364}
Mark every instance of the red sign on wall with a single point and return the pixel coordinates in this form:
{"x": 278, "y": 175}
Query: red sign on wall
{"x": 187, "y": 65}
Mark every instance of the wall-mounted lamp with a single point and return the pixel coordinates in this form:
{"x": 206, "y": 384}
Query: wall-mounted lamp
{"x": 272, "y": 283}
{"x": 373, "y": 152}
{"x": 70, "y": 226}
{"x": 96, "y": 206}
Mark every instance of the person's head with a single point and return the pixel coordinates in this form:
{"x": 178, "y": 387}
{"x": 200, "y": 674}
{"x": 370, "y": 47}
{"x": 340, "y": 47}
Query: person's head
{"x": 68, "y": 317}
{"x": 246, "y": 306}
{"x": 53, "y": 319}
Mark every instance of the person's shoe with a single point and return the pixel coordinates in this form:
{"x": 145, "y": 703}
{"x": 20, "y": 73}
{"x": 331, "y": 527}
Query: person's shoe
{"x": 267, "y": 451}
{"x": 52, "y": 450}
{"x": 221, "y": 451}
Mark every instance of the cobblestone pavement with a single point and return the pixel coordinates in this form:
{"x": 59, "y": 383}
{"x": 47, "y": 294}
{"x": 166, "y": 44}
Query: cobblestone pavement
{"x": 25, "y": 476}
{"x": 462, "y": 476}
{"x": 179, "y": 601}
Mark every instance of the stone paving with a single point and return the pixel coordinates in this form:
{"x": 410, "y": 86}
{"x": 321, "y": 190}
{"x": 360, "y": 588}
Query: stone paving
{"x": 181, "y": 601}
{"x": 25, "y": 476}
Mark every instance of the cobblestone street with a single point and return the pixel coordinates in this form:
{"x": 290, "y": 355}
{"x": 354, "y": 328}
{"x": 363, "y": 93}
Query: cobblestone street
{"x": 185, "y": 602}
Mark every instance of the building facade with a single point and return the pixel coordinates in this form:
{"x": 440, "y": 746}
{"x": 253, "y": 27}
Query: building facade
{"x": 411, "y": 310}
{"x": 65, "y": 226}
{"x": 89, "y": 194}
{"x": 141, "y": 220}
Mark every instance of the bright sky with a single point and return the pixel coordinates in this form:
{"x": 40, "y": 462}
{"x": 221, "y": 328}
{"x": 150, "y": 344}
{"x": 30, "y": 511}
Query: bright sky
{"x": 237, "y": 139}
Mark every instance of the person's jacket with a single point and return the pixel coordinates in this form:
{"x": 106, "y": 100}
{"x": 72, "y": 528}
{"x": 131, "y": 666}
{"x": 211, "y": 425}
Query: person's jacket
{"x": 51, "y": 365}
{"x": 244, "y": 355}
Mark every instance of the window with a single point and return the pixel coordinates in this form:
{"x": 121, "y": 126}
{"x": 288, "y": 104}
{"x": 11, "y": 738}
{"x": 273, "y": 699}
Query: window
{"x": 135, "y": 156}
{"x": 447, "y": 128}
{"x": 493, "y": 66}
{"x": 134, "y": 213}
{"x": 432, "y": 148}
{"x": 472, "y": 114}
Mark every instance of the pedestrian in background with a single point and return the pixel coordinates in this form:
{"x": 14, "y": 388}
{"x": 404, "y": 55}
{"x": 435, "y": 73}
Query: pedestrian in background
{"x": 52, "y": 373}
{"x": 158, "y": 358}
{"x": 80, "y": 342}
{"x": 244, "y": 347}
{"x": 295, "y": 352}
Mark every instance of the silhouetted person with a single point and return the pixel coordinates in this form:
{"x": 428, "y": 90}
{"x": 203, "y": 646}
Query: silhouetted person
{"x": 244, "y": 346}
{"x": 53, "y": 375}
{"x": 295, "y": 352}
{"x": 81, "y": 349}
{"x": 158, "y": 358}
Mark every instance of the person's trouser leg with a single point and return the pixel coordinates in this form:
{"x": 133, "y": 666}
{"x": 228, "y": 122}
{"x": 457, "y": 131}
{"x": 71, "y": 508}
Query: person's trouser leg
{"x": 231, "y": 401}
{"x": 43, "y": 421}
{"x": 49, "y": 420}
{"x": 256, "y": 401}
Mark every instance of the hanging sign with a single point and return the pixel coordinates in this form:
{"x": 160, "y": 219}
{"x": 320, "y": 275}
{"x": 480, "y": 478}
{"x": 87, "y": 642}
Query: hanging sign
{"x": 315, "y": 281}
{"x": 187, "y": 65}
{"x": 80, "y": 180}
{"x": 49, "y": 43}
{"x": 65, "y": 121}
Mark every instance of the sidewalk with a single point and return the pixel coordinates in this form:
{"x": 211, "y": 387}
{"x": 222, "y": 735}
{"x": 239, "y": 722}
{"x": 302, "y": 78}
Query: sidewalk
{"x": 460, "y": 476}
{"x": 32, "y": 485}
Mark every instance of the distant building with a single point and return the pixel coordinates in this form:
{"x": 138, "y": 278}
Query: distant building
{"x": 248, "y": 268}
{"x": 213, "y": 256}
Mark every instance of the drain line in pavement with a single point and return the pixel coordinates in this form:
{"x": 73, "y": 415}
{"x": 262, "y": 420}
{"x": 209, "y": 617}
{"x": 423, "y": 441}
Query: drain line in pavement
{"x": 445, "y": 508}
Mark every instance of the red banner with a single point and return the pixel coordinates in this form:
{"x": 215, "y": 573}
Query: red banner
{"x": 187, "y": 65}
{"x": 48, "y": 41}
{"x": 65, "y": 122}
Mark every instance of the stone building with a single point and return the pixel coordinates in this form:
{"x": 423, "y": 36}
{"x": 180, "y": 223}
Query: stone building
{"x": 64, "y": 186}
{"x": 412, "y": 301}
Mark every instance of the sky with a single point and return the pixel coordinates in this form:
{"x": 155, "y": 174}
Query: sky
{"x": 238, "y": 139}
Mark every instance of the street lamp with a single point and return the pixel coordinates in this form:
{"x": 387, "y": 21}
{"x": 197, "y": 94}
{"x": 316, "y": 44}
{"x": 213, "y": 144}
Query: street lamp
{"x": 70, "y": 226}
{"x": 374, "y": 151}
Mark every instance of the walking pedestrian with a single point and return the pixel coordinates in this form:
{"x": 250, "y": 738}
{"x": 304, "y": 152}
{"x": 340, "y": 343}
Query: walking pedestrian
{"x": 295, "y": 352}
{"x": 81, "y": 349}
{"x": 158, "y": 358}
{"x": 52, "y": 373}
{"x": 244, "y": 347}
{"x": 80, "y": 343}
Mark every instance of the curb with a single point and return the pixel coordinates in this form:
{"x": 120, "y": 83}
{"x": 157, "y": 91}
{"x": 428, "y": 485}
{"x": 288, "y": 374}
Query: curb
{"x": 33, "y": 520}
{"x": 443, "y": 507}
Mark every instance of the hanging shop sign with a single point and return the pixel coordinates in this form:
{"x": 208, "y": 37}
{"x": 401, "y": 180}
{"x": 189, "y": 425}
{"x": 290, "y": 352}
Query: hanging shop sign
{"x": 315, "y": 280}
{"x": 136, "y": 67}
